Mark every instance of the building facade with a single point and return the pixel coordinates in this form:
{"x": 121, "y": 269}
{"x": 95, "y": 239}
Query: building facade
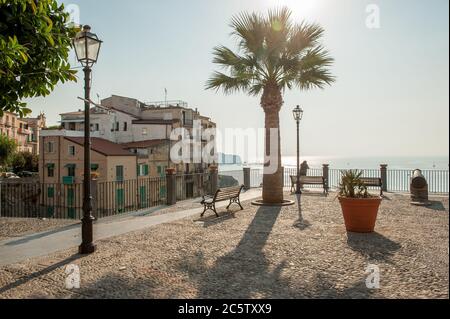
{"x": 143, "y": 128}
{"x": 25, "y": 131}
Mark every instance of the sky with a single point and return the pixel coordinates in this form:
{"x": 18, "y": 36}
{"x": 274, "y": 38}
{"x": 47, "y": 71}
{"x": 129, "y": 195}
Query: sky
{"x": 391, "y": 97}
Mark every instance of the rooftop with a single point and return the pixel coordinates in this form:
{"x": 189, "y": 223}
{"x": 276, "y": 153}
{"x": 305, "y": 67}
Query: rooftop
{"x": 102, "y": 146}
{"x": 143, "y": 144}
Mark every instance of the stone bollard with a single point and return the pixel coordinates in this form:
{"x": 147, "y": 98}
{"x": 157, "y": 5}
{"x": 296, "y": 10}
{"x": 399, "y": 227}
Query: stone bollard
{"x": 214, "y": 177}
{"x": 247, "y": 183}
{"x": 326, "y": 175}
{"x": 419, "y": 189}
{"x": 171, "y": 185}
{"x": 383, "y": 175}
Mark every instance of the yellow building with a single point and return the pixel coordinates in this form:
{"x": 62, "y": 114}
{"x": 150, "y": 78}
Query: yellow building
{"x": 25, "y": 131}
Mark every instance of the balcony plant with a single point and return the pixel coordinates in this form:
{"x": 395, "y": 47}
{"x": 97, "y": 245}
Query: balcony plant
{"x": 360, "y": 209}
{"x": 95, "y": 175}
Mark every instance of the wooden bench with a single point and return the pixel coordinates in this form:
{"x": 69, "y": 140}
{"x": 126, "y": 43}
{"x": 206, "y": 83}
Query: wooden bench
{"x": 373, "y": 182}
{"x": 230, "y": 193}
{"x": 309, "y": 180}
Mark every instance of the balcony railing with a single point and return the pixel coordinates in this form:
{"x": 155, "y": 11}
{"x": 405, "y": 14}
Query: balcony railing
{"x": 24, "y": 131}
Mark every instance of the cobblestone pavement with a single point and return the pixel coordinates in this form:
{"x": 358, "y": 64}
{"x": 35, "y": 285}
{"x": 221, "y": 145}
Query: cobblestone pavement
{"x": 302, "y": 251}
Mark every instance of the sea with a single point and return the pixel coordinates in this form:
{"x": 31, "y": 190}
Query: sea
{"x": 422, "y": 162}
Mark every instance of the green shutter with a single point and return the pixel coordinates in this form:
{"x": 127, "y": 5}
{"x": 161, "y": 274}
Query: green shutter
{"x": 120, "y": 199}
{"x": 70, "y": 196}
{"x": 146, "y": 170}
{"x": 143, "y": 196}
{"x": 50, "y": 192}
{"x": 138, "y": 170}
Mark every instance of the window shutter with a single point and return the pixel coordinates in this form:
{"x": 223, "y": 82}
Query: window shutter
{"x": 146, "y": 170}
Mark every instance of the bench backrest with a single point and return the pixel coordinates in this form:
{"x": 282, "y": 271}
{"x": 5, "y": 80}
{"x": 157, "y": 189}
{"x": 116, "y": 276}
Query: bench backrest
{"x": 372, "y": 181}
{"x": 228, "y": 193}
{"x": 308, "y": 179}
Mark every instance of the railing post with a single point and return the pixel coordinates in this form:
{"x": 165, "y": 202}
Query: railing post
{"x": 171, "y": 185}
{"x": 94, "y": 187}
{"x": 383, "y": 175}
{"x": 326, "y": 175}
{"x": 247, "y": 183}
{"x": 214, "y": 175}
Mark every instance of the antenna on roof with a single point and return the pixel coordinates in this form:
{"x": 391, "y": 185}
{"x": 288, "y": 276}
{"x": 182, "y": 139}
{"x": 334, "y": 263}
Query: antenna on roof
{"x": 165, "y": 96}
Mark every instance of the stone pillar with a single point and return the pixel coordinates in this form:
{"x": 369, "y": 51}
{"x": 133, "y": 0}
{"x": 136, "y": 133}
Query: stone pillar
{"x": 247, "y": 182}
{"x": 384, "y": 179}
{"x": 282, "y": 174}
{"x": 171, "y": 185}
{"x": 326, "y": 175}
{"x": 214, "y": 178}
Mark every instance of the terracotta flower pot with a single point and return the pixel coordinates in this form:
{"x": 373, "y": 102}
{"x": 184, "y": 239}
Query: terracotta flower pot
{"x": 360, "y": 214}
{"x": 170, "y": 171}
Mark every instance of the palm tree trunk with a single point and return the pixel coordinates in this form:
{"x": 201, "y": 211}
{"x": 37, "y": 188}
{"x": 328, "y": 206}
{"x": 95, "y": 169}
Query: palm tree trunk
{"x": 271, "y": 102}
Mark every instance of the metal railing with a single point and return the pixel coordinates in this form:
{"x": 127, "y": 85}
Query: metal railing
{"x": 113, "y": 198}
{"x": 38, "y": 200}
{"x": 398, "y": 180}
{"x": 192, "y": 185}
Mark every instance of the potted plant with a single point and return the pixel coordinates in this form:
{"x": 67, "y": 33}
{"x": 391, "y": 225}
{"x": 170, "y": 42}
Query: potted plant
{"x": 95, "y": 175}
{"x": 360, "y": 209}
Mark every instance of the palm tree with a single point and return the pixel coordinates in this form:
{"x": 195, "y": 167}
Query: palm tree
{"x": 273, "y": 55}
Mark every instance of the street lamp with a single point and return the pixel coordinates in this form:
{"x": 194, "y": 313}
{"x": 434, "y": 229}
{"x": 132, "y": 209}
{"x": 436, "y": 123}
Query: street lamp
{"x": 298, "y": 115}
{"x": 87, "y": 47}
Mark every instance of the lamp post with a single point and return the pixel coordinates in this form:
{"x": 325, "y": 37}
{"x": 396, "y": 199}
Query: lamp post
{"x": 298, "y": 115}
{"x": 87, "y": 47}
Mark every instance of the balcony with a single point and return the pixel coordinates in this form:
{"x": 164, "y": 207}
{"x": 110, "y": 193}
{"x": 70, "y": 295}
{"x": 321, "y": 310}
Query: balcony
{"x": 8, "y": 124}
{"x": 24, "y": 131}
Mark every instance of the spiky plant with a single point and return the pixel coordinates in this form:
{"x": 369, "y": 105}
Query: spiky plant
{"x": 352, "y": 186}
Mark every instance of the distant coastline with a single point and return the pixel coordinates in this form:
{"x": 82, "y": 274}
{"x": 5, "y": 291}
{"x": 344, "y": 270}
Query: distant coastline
{"x": 394, "y": 162}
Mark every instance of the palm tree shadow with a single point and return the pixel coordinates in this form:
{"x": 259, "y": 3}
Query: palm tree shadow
{"x": 40, "y": 273}
{"x": 301, "y": 223}
{"x": 245, "y": 269}
{"x": 436, "y": 205}
{"x": 374, "y": 246}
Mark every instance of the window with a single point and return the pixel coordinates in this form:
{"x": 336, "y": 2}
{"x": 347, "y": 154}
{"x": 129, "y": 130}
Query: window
{"x": 50, "y": 192}
{"x": 50, "y": 147}
{"x": 144, "y": 131}
{"x": 125, "y": 126}
{"x": 50, "y": 170}
{"x": 143, "y": 170}
{"x": 119, "y": 173}
{"x": 117, "y": 126}
{"x": 161, "y": 171}
{"x": 71, "y": 150}
{"x": 94, "y": 167}
{"x": 97, "y": 127}
{"x": 71, "y": 170}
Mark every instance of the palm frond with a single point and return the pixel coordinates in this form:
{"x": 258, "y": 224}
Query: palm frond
{"x": 229, "y": 84}
{"x": 303, "y": 36}
{"x": 272, "y": 50}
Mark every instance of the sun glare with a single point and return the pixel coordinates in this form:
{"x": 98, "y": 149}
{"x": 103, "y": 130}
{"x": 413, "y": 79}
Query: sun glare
{"x": 300, "y": 8}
